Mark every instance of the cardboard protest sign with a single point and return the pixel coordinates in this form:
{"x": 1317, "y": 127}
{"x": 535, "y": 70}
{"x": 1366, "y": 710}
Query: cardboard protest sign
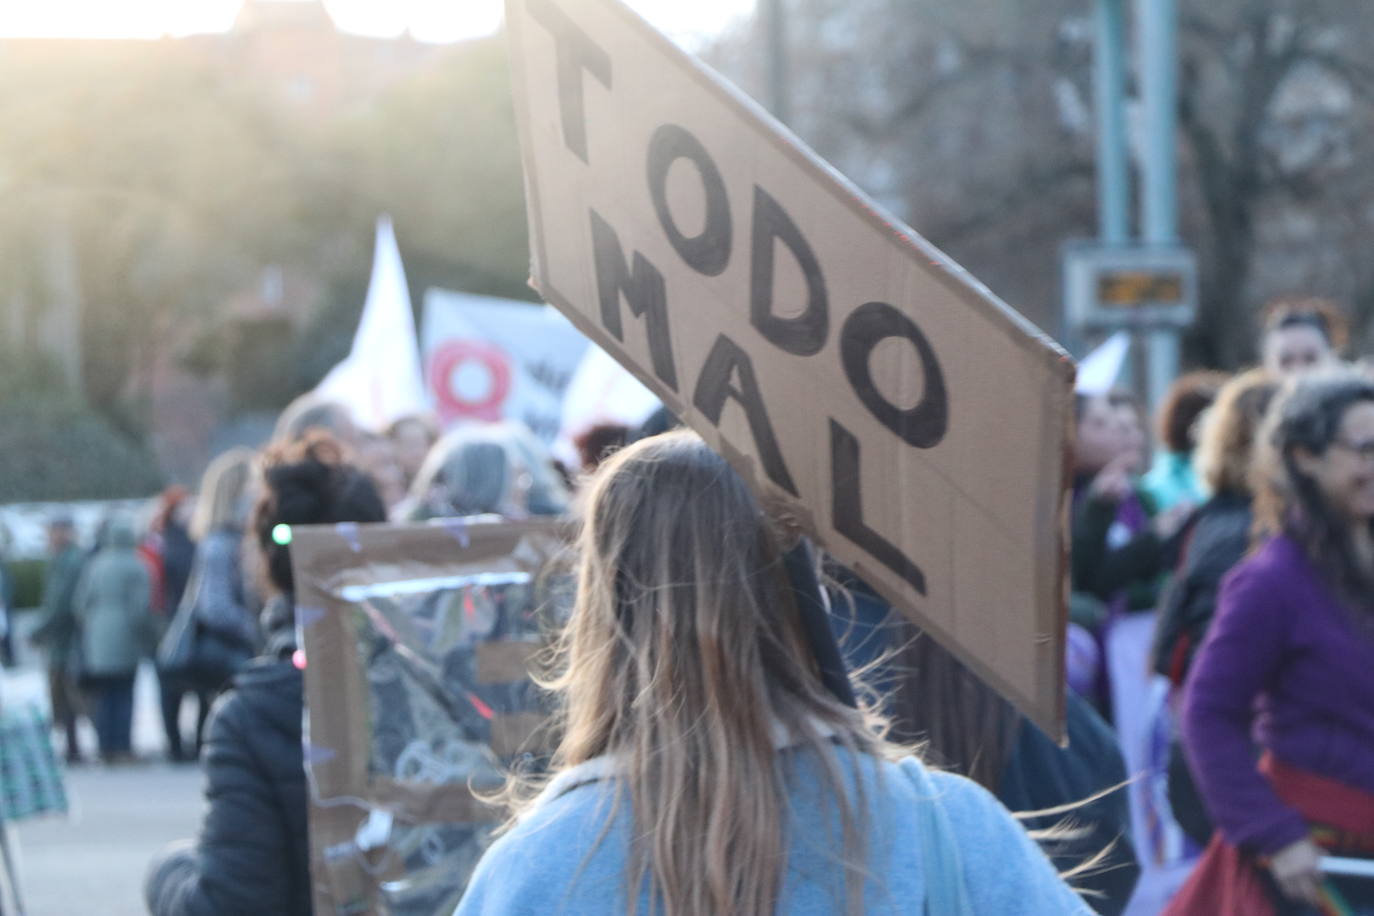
{"x": 909, "y": 420}
{"x": 417, "y": 641}
{"x": 498, "y": 359}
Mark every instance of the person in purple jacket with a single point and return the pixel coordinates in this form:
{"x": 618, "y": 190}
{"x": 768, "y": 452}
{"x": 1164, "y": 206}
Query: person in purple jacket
{"x": 1287, "y": 668}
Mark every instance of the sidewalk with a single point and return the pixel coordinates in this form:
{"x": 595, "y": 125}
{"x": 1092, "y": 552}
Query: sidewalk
{"x": 94, "y": 860}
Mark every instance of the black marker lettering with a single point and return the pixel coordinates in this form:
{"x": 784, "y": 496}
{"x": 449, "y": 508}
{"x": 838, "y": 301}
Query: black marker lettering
{"x": 644, "y": 292}
{"x": 847, "y": 508}
{"x": 805, "y": 334}
{"x": 575, "y": 52}
{"x": 716, "y": 384}
{"x": 871, "y": 323}
{"x": 709, "y": 252}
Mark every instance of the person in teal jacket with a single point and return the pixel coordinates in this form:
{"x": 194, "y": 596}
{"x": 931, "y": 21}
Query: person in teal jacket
{"x": 113, "y": 605}
{"x": 1171, "y": 480}
{"x": 709, "y": 762}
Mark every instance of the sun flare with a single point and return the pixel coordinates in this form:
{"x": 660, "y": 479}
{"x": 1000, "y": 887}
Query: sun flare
{"x": 426, "y": 20}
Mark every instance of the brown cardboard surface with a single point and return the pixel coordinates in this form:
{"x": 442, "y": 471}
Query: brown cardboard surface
{"x": 503, "y": 661}
{"x": 339, "y": 570}
{"x": 921, "y": 425}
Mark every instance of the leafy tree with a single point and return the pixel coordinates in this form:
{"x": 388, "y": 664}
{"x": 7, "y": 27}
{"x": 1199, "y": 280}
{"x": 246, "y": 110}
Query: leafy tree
{"x": 974, "y": 122}
{"x": 52, "y": 447}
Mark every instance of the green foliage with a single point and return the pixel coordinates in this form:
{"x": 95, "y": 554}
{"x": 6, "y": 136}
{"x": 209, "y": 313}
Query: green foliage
{"x": 153, "y": 183}
{"x": 27, "y": 576}
{"x": 442, "y": 152}
{"x": 53, "y": 447}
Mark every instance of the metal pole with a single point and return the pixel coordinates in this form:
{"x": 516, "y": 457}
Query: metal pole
{"x": 1157, "y": 21}
{"x": 775, "y": 24}
{"x": 1109, "y": 89}
{"x": 1158, "y": 25}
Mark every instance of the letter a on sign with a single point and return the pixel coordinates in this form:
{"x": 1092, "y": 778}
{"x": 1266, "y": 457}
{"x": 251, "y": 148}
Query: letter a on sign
{"x": 915, "y": 425}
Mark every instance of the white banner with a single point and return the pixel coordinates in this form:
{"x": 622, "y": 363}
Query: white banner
{"x": 379, "y": 381}
{"x": 498, "y": 359}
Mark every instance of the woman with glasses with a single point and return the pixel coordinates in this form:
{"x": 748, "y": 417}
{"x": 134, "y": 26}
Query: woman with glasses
{"x": 1288, "y": 665}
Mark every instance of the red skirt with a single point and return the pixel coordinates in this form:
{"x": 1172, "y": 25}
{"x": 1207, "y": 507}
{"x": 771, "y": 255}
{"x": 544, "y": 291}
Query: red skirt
{"x": 1231, "y": 882}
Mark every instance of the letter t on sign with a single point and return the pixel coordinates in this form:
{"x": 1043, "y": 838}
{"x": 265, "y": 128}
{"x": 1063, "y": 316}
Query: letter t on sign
{"x": 576, "y": 52}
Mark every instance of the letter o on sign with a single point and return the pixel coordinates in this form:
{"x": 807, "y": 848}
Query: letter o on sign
{"x": 455, "y": 355}
{"x": 922, "y": 426}
{"x": 707, "y": 253}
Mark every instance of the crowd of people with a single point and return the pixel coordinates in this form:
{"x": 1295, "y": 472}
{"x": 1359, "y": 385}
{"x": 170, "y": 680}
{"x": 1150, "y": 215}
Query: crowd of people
{"x": 1247, "y": 553}
{"x": 710, "y": 760}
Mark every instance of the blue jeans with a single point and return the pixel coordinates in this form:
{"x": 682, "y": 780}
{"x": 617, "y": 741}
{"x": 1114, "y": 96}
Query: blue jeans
{"x": 113, "y": 713}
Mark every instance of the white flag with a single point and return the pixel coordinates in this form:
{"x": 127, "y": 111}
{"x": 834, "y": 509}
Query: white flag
{"x": 1099, "y": 370}
{"x": 380, "y": 380}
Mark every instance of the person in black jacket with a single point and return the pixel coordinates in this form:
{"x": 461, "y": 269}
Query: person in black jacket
{"x": 1220, "y": 533}
{"x": 1121, "y": 543}
{"x": 964, "y": 726}
{"x": 253, "y": 852}
{"x": 1218, "y": 539}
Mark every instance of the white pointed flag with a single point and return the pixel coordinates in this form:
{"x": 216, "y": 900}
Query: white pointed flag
{"x": 1099, "y": 370}
{"x": 380, "y": 380}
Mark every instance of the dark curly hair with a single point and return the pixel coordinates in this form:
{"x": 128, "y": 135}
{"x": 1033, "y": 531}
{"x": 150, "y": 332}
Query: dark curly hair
{"x": 1308, "y": 416}
{"x": 308, "y": 482}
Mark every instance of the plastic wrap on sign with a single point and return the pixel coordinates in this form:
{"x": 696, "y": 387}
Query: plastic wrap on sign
{"x": 418, "y": 643}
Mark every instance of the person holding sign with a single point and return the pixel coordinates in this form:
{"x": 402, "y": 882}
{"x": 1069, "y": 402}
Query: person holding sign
{"x": 706, "y": 766}
{"x": 1289, "y": 663}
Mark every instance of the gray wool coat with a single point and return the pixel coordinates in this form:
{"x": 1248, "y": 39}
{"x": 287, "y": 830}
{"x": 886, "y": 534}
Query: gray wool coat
{"x": 113, "y": 607}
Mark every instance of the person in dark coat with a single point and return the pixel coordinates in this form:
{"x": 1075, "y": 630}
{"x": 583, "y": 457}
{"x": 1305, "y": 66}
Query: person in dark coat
{"x": 6, "y": 602}
{"x": 964, "y": 726}
{"x": 1121, "y": 542}
{"x": 1218, "y": 539}
{"x": 253, "y": 855}
{"x": 59, "y": 632}
{"x": 213, "y": 588}
{"x": 1219, "y": 535}
{"x": 178, "y": 550}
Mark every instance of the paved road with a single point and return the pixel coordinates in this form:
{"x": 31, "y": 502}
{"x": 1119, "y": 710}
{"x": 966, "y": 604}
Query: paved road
{"x": 93, "y": 861}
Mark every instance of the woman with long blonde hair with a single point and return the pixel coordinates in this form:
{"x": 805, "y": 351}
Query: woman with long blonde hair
{"x": 215, "y": 603}
{"x": 704, "y": 765}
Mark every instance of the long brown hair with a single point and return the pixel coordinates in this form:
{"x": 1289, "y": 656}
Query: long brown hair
{"x": 1226, "y": 447}
{"x": 683, "y": 661}
{"x": 1188, "y": 397}
{"x": 1308, "y": 416}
